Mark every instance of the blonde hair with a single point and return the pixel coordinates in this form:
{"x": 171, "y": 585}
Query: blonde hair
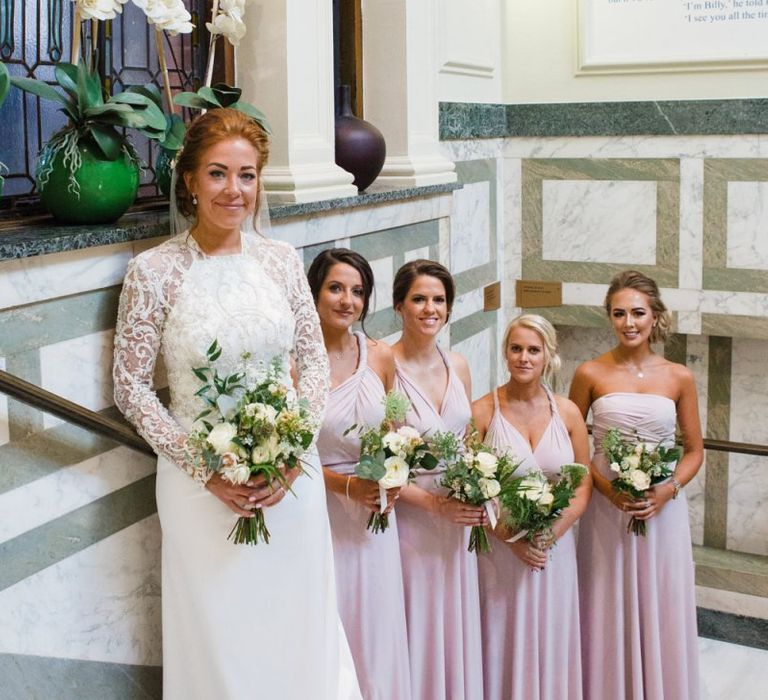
{"x": 631, "y": 279}
{"x": 548, "y": 335}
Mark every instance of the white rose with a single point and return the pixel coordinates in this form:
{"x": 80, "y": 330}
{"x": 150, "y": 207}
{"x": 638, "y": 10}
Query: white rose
{"x": 267, "y": 451}
{"x": 409, "y": 433}
{"x": 397, "y": 473}
{"x": 233, "y": 472}
{"x": 394, "y": 442}
{"x": 262, "y": 411}
{"x": 639, "y": 479}
{"x": 99, "y": 9}
{"x": 486, "y": 463}
{"x": 490, "y": 488}
{"x": 546, "y": 498}
{"x": 220, "y": 438}
{"x": 615, "y": 467}
{"x": 531, "y": 488}
{"x": 639, "y": 448}
{"x": 231, "y": 26}
{"x": 631, "y": 462}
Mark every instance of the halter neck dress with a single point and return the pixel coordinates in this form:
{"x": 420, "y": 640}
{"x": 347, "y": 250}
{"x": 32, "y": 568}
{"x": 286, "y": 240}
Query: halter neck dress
{"x": 531, "y": 644}
{"x": 638, "y": 609}
{"x": 369, "y": 581}
{"x": 442, "y": 602}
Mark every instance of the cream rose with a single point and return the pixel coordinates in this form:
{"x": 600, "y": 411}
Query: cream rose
{"x": 394, "y": 442}
{"x": 233, "y": 471}
{"x": 490, "y": 488}
{"x": 486, "y": 464}
{"x": 631, "y": 462}
{"x": 267, "y": 451}
{"x": 220, "y": 438}
{"x": 397, "y": 473}
{"x": 615, "y": 467}
{"x": 639, "y": 479}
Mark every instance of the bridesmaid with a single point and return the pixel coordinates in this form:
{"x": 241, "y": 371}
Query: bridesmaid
{"x": 529, "y": 592}
{"x": 440, "y": 575}
{"x": 368, "y": 571}
{"x": 638, "y": 613}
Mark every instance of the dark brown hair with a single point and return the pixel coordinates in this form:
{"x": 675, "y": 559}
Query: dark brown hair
{"x": 631, "y": 279}
{"x": 408, "y": 273}
{"x": 329, "y": 257}
{"x": 207, "y": 130}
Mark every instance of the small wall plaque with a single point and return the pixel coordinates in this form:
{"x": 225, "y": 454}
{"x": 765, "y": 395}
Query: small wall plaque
{"x": 530, "y": 293}
{"x": 492, "y": 297}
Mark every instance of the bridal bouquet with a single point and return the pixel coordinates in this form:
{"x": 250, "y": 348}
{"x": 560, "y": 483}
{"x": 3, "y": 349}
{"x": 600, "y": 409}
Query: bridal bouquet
{"x": 474, "y": 474}
{"x": 388, "y": 455}
{"x": 260, "y": 428}
{"x": 638, "y": 466}
{"x": 533, "y": 503}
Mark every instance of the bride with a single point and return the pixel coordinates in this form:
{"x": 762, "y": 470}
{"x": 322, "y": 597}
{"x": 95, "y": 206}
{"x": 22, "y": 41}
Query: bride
{"x": 239, "y": 621}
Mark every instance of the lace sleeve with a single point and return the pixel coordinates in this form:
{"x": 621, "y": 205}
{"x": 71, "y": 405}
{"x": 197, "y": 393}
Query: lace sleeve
{"x": 311, "y": 359}
{"x": 140, "y": 320}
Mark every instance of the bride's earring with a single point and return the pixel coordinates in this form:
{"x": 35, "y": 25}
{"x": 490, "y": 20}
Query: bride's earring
{"x": 194, "y": 199}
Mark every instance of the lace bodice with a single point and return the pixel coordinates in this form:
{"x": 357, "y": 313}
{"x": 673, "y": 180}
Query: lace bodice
{"x": 176, "y": 300}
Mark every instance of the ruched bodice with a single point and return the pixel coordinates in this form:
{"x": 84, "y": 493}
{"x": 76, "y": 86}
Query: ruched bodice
{"x": 356, "y": 401}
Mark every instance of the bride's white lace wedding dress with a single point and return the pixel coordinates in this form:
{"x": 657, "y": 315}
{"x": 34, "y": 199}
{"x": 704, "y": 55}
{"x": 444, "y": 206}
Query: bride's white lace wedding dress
{"x": 239, "y": 621}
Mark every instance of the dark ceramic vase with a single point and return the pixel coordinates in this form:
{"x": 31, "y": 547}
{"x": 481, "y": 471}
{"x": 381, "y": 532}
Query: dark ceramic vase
{"x": 163, "y": 169}
{"x": 107, "y": 187}
{"x": 360, "y": 147}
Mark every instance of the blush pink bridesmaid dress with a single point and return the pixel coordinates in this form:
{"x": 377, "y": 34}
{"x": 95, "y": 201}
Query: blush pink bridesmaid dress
{"x": 369, "y": 582}
{"x": 638, "y": 609}
{"x": 531, "y": 644}
{"x": 442, "y": 600}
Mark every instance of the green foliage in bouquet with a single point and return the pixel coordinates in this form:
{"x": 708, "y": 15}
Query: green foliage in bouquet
{"x": 532, "y": 503}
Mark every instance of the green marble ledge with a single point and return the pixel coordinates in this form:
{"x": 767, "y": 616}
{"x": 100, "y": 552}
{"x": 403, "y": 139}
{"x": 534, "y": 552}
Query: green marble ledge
{"x": 42, "y": 239}
{"x": 460, "y": 120}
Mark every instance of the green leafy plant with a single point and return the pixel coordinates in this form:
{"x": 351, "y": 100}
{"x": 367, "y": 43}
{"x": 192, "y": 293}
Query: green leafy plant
{"x": 93, "y": 119}
{"x": 5, "y": 87}
{"x": 221, "y": 95}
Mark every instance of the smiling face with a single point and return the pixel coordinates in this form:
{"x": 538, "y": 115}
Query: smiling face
{"x": 226, "y": 185}
{"x": 341, "y": 297}
{"x": 425, "y": 308}
{"x": 525, "y": 355}
{"x": 632, "y": 317}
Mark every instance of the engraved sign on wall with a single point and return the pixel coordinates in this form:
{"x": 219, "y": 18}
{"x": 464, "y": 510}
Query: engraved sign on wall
{"x": 671, "y": 35}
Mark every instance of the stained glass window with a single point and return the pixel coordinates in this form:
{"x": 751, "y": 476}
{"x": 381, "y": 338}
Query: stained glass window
{"x": 36, "y": 34}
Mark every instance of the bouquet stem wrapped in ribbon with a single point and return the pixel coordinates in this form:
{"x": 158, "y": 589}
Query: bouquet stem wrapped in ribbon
{"x": 638, "y": 466}
{"x": 389, "y": 455}
{"x": 260, "y": 428}
{"x": 533, "y": 503}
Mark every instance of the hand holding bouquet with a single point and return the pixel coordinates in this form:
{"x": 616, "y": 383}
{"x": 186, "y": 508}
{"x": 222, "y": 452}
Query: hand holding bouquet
{"x": 474, "y": 474}
{"x": 388, "y": 455}
{"x": 259, "y": 428}
{"x": 638, "y": 466}
{"x": 532, "y": 503}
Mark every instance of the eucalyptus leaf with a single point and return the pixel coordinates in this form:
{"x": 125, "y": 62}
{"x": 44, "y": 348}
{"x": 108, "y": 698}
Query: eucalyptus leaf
{"x": 369, "y": 468}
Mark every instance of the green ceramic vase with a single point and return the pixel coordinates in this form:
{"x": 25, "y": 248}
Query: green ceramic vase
{"x": 107, "y": 188}
{"x": 163, "y": 171}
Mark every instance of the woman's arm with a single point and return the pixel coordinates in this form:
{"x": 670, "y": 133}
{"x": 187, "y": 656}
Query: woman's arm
{"x": 140, "y": 320}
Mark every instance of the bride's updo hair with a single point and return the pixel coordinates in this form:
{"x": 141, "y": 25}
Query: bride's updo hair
{"x": 546, "y": 331}
{"x": 207, "y": 130}
{"x": 631, "y": 279}
{"x": 326, "y": 259}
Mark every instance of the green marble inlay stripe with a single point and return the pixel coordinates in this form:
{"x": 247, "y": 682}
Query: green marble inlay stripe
{"x": 23, "y": 420}
{"x": 716, "y": 274}
{"x": 481, "y": 170}
{"x": 63, "y": 537}
{"x": 472, "y": 325}
{"x": 475, "y": 278}
{"x": 33, "y": 326}
{"x": 734, "y": 326}
{"x": 383, "y": 323}
{"x": 731, "y": 571}
{"x": 676, "y": 348}
{"x": 718, "y": 427}
{"x": 72, "y": 679}
{"x": 381, "y": 244}
{"x": 586, "y": 316}
{"x": 665, "y": 172}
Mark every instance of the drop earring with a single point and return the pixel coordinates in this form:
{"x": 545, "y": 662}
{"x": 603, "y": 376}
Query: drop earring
{"x": 194, "y": 199}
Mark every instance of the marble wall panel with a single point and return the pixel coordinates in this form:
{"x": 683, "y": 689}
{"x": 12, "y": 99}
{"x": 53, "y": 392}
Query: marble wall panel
{"x": 79, "y": 369}
{"x": 102, "y": 604}
{"x": 747, "y": 223}
{"x": 691, "y": 223}
{"x": 4, "y": 426}
{"x": 383, "y": 274}
{"x": 476, "y": 350}
{"x": 597, "y": 221}
{"x": 470, "y": 227}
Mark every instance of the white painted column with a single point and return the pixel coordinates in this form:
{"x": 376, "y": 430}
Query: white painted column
{"x": 400, "y": 89}
{"x": 285, "y": 67}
